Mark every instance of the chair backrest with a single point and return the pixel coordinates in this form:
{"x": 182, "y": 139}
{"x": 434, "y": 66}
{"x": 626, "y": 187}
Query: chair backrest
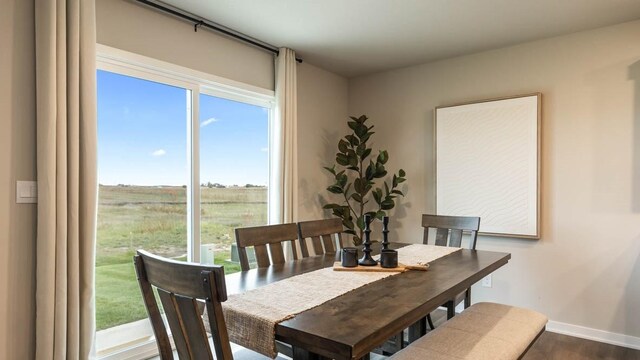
{"x": 184, "y": 290}
{"x": 261, "y": 237}
{"x": 449, "y": 229}
{"x": 322, "y": 233}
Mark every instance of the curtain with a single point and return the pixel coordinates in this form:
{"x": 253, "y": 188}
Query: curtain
{"x": 67, "y": 178}
{"x": 284, "y": 173}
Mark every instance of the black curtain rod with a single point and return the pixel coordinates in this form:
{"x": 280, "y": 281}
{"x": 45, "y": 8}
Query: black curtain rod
{"x": 211, "y": 26}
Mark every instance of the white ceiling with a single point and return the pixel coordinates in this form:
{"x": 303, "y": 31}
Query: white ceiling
{"x": 356, "y": 37}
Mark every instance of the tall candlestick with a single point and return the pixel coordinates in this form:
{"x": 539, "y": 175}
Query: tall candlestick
{"x": 366, "y": 259}
{"x": 385, "y": 233}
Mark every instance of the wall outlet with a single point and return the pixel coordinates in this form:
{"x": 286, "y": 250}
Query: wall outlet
{"x": 486, "y": 282}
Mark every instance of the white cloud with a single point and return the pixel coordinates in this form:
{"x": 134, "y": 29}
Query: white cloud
{"x": 208, "y": 122}
{"x": 265, "y": 149}
{"x": 159, "y": 152}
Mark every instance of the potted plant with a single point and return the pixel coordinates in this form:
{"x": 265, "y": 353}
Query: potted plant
{"x": 355, "y": 175}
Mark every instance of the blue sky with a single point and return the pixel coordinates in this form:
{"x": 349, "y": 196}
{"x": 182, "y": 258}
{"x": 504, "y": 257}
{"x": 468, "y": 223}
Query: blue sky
{"x": 142, "y": 135}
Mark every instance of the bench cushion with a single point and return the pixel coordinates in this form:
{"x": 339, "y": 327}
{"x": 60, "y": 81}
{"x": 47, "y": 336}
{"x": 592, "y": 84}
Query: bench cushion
{"x": 483, "y": 331}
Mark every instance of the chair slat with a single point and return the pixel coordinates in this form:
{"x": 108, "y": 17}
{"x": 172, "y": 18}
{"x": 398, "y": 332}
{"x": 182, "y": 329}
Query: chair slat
{"x": 442, "y": 236}
{"x": 277, "y": 253}
{"x": 194, "y": 331}
{"x": 175, "y": 324}
{"x": 262, "y": 256}
{"x": 455, "y": 239}
{"x": 317, "y": 245}
{"x": 329, "y": 244}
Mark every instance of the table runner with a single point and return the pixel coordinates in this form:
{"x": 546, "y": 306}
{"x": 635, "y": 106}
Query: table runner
{"x": 251, "y": 317}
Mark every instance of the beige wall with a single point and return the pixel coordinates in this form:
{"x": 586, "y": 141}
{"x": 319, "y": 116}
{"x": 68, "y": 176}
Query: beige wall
{"x": 585, "y": 270}
{"x": 128, "y": 26}
{"x": 322, "y": 116}
{"x": 17, "y": 162}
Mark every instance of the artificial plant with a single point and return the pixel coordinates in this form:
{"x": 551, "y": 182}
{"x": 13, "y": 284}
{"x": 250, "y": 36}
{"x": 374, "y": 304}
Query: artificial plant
{"x": 355, "y": 176}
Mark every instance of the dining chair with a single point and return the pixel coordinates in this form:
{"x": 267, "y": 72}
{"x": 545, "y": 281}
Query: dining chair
{"x": 184, "y": 289}
{"x": 267, "y": 242}
{"x": 449, "y": 230}
{"x": 323, "y": 234}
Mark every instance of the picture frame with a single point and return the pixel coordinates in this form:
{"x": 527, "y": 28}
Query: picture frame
{"x": 488, "y": 163}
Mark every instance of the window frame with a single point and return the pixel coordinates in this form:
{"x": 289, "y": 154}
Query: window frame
{"x": 196, "y": 83}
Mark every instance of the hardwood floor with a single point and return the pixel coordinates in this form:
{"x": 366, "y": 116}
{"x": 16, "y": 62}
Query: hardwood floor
{"x": 552, "y": 346}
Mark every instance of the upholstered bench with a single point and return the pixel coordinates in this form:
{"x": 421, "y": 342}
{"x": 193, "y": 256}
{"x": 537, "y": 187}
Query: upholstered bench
{"x": 483, "y": 331}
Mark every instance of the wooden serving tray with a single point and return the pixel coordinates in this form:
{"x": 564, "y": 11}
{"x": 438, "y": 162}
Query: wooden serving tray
{"x": 337, "y": 266}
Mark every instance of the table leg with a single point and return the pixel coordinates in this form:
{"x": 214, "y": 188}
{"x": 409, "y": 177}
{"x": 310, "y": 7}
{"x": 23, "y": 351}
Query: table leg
{"x": 417, "y": 330}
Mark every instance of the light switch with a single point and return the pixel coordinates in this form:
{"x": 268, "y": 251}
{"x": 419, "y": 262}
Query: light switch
{"x": 26, "y": 192}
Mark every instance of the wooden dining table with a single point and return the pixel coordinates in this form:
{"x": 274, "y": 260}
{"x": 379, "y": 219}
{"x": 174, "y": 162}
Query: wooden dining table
{"x": 352, "y": 325}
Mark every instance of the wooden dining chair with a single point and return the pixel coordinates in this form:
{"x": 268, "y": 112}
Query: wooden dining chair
{"x": 449, "y": 230}
{"x": 267, "y": 242}
{"x": 184, "y": 290}
{"x": 323, "y": 234}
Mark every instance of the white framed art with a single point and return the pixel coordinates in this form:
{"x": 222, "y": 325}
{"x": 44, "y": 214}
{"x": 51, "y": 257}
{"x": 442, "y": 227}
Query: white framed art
{"x": 488, "y": 163}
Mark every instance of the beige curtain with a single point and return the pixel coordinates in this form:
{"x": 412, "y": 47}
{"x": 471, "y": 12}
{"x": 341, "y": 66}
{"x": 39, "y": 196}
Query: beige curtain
{"x": 284, "y": 142}
{"x": 67, "y": 178}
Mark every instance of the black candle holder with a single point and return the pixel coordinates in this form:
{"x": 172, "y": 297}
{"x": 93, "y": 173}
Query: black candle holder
{"x": 366, "y": 259}
{"x": 385, "y": 233}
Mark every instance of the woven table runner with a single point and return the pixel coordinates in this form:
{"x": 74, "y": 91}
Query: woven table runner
{"x": 251, "y": 317}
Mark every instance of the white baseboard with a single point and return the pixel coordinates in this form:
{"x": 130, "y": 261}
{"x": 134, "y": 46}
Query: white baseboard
{"x": 582, "y": 332}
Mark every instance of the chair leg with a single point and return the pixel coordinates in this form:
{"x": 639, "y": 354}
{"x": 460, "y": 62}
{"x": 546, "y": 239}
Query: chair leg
{"x": 417, "y": 329}
{"x": 430, "y": 322}
{"x": 451, "y": 310}
{"x": 467, "y": 298}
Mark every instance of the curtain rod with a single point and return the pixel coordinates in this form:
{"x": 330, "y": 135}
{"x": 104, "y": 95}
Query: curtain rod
{"x": 213, "y": 26}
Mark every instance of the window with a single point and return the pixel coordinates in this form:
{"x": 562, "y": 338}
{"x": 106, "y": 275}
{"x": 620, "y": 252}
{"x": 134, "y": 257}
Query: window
{"x": 182, "y": 161}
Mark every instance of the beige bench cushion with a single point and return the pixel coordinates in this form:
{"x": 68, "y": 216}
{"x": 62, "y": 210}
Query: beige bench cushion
{"x": 483, "y": 331}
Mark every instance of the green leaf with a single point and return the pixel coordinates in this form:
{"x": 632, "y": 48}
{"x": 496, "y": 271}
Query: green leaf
{"x": 394, "y": 182}
{"x": 401, "y": 173}
{"x": 360, "y": 131}
{"x": 357, "y": 197}
{"x": 376, "y": 196}
{"x": 360, "y": 149}
{"x": 331, "y": 169}
{"x": 335, "y": 189}
{"x": 353, "y": 140}
{"x": 387, "y": 204}
{"x": 366, "y": 153}
{"x": 343, "y": 146}
{"x": 380, "y": 214}
{"x": 358, "y": 186}
{"x": 353, "y": 125}
{"x": 398, "y": 192}
{"x": 366, "y": 137}
{"x": 342, "y": 159}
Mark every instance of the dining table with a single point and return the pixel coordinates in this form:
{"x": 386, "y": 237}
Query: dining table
{"x": 352, "y": 325}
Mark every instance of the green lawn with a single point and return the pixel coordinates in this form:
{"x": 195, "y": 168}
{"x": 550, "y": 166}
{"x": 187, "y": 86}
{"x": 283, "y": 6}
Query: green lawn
{"x": 155, "y": 219}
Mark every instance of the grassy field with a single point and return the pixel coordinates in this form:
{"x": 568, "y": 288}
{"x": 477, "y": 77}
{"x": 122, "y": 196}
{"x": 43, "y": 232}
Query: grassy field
{"x": 155, "y": 219}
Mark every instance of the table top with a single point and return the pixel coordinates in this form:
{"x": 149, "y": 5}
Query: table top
{"x": 376, "y": 311}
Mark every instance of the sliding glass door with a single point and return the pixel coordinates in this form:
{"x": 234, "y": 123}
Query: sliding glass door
{"x": 143, "y": 173}
{"x": 180, "y": 167}
{"x": 234, "y": 175}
